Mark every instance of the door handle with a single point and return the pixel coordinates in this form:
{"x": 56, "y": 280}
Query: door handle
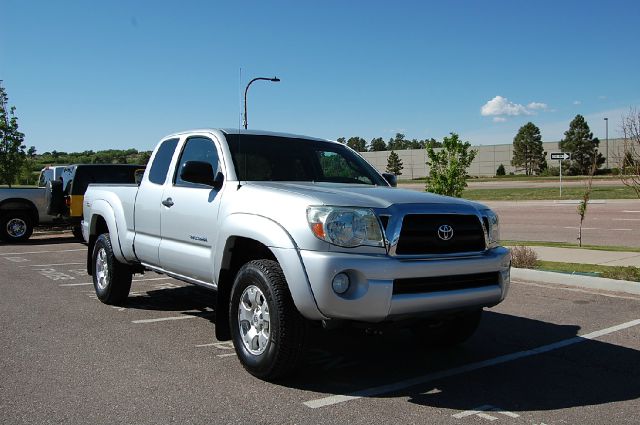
{"x": 168, "y": 202}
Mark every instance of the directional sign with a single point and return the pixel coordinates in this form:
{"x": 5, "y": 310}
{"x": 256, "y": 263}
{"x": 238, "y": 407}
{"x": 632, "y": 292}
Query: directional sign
{"x": 562, "y": 156}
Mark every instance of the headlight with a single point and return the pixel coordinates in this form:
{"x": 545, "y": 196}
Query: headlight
{"x": 491, "y": 222}
{"x": 346, "y": 227}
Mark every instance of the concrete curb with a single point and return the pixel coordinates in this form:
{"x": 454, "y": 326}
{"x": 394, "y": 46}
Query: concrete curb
{"x": 576, "y": 280}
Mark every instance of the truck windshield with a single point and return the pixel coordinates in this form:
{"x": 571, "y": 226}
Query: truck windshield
{"x": 274, "y": 158}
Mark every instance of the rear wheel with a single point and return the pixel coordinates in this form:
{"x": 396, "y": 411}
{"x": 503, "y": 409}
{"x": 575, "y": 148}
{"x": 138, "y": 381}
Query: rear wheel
{"x": 111, "y": 279}
{"x": 77, "y": 232}
{"x": 446, "y": 332}
{"x": 15, "y": 227}
{"x": 267, "y": 330}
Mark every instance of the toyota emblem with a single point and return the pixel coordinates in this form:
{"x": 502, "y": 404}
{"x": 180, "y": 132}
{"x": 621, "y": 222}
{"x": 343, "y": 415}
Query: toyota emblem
{"x": 445, "y": 232}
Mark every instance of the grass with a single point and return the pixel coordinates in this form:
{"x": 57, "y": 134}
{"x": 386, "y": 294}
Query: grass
{"x": 519, "y": 177}
{"x": 610, "y": 272}
{"x": 571, "y": 245}
{"x": 544, "y": 193}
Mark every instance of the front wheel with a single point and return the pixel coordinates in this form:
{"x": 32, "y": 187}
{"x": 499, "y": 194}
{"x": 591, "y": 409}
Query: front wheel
{"x": 111, "y": 279}
{"x": 267, "y": 330}
{"x": 15, "y": 227}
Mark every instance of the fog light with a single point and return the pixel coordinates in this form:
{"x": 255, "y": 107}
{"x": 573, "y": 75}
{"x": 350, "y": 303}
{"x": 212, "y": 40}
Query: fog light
{"x": 340, "y": 283}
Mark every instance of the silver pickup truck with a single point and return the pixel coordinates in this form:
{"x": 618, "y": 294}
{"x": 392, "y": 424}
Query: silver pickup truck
{"x": 23, "y": 208}
{"x": 290, "y": 231}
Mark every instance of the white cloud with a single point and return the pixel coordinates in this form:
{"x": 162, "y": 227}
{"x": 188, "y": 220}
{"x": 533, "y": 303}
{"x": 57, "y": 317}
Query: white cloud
{"x": 577, "y": 102}
{"x": 537, "y": 105}
{"x": 499, "y": 119}
{"x": 501, "y": 106}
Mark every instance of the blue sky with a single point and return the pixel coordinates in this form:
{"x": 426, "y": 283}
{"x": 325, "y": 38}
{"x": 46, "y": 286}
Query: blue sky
{"x": 120, "y": 74}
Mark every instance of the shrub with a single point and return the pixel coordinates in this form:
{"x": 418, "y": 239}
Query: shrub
{"x": 523, "y": 257}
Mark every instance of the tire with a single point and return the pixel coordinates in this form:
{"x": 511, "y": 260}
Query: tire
{"x": 111, "y": 279}
{"x": 77, "y": 232}
{"x": 54, "y": 197}
{"x": 447, "y": 332}
{"x": 15, "y": 226}
{"x": 260, "y": 304}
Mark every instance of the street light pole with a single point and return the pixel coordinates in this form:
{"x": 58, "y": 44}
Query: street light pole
{"x": 606, "y": 121}
{"x": 274, "y": 79}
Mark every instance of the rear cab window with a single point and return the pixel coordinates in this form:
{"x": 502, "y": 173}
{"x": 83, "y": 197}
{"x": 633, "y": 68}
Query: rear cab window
{"x": 162, "y": 160}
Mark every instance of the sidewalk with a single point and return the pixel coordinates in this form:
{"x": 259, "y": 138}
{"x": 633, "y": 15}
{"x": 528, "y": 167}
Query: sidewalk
{"x": 581, "y": 256}
{"x": 587, "y": 256}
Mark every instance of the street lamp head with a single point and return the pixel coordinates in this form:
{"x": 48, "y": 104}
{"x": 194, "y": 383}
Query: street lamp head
{"x": 606, "y": 119}
{"x": 275, "y": 79}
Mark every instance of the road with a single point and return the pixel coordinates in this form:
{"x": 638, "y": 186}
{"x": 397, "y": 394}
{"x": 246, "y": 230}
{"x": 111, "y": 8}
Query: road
{"x": 546, "y": 355}
{"x": 610, "y": 222}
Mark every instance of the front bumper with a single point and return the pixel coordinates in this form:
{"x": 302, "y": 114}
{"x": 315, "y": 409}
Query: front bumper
{"x": 370, "y": 297}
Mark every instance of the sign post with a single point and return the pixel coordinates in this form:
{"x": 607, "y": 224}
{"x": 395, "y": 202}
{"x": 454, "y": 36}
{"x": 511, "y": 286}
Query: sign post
{"x": 560, "y": 156}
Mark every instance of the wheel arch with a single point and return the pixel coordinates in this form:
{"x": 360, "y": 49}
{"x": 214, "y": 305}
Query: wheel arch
{"x": 249, "y": 237}
{"x": 22, "y": 205}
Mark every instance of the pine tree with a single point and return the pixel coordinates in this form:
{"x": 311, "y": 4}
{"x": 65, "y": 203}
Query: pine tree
{"x": 12, "y": 151}
{"x": 378, "y": 144}
{"x": 528, "y": 152}
{"x": 579, "y": 141}
{"x": 394, "y": 164}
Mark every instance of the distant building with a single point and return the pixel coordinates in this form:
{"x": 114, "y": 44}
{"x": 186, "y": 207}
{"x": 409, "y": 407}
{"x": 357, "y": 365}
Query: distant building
{"x": 486, "y": 162}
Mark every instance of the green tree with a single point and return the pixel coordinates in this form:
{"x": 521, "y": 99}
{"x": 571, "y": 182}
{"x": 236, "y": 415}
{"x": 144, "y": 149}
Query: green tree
{"x": 528, "y": 152}
{"x": 358, "y": 144}
{"x": 579, "y": 141}
{"x": 398, "y": 142}
{"x": 377, "y": 145}
{"x": 501, "y": 171}
{"x": 394, "y": 164}
{"x": 12, "y": 154}
{"x": 448, "y": 166}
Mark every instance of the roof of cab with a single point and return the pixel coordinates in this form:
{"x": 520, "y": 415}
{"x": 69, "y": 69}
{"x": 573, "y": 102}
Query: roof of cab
{"x": 249, "y": 132}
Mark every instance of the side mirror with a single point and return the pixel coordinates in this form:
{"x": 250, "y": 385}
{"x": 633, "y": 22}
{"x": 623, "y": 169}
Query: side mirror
{"x": 137, "y": 175}
{"x": 391, "y": 179}
{"x": 217, "y": 182}
{"x": 197, "y": 172}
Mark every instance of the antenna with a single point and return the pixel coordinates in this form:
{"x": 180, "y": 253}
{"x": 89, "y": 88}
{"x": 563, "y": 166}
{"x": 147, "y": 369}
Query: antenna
{"x": 240, "y": 117}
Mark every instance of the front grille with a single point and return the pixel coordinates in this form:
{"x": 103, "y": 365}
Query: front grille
{"x": 419, "y": 234}
{"x": 421, "y": 285}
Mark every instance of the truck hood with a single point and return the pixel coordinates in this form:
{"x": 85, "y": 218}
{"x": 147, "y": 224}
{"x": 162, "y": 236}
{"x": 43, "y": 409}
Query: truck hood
{"x": 355, "y": 195}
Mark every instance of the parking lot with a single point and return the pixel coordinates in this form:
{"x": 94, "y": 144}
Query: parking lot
{"x": 547, "y": 355}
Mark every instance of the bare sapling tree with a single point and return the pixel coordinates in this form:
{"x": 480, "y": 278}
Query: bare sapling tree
{"x": 629, "y": 162}
{"x": 582, "y": 206}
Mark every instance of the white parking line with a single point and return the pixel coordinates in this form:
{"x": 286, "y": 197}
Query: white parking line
{"x": 623, "y": 230}
{"x": 42, "y": 252}
{"x": 625, "y": 219}
{"x": 584, "y": 228}
{"x": 401, "y": 385}
{"x": 630, "y": 211}
{"x": 194, "y": 314}
{"x": 165, "y": 319}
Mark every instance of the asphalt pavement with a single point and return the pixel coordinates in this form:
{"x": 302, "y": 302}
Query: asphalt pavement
{"x": 548, "y": 354}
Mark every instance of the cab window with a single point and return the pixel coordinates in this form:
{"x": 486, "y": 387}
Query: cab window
{"x": 197, "y": 149}
{"x": 162, "y": 160}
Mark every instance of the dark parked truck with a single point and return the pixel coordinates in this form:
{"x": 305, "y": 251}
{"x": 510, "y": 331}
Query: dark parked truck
{"x": 58, "y": 198}
{"x": 291, "y": 230}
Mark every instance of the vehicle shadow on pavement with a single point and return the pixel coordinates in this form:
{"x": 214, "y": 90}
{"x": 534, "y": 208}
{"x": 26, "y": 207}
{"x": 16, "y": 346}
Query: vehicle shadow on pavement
{"x": 45, "y": 241}
{"x": 183, "y": 298}
{"x": 590, "y": 372}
